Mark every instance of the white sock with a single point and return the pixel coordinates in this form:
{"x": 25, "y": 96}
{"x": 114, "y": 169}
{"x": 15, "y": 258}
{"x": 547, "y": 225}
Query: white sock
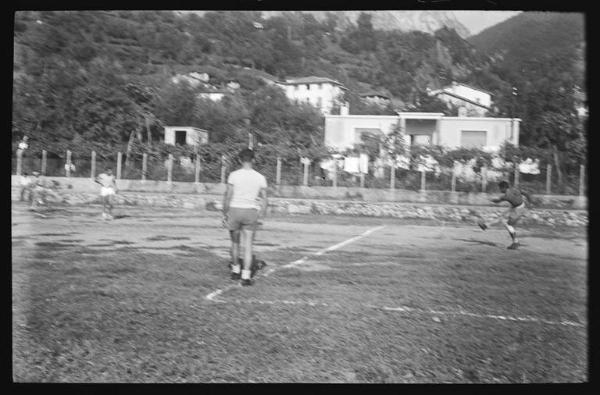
{"x": 246, "y": 274}
{"x": 236, "y": 269}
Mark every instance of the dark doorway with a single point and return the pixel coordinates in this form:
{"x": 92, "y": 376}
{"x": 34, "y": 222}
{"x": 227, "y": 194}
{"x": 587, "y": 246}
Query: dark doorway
{"x": 180, "y": 137}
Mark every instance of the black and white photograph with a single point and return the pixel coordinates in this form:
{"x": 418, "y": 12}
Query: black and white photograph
{"x": 299, "y": 196}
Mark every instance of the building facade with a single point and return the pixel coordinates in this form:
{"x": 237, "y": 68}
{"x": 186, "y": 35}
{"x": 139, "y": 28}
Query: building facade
{"x": 185, "y": 135}
{"x": 470, "y": 101}
{"x": 345, "y": 131}
{"x": 322, "y": 93}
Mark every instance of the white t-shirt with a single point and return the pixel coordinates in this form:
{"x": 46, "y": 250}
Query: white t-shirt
{"x": 247, "y": 183}
{"x": 107, "y": 181}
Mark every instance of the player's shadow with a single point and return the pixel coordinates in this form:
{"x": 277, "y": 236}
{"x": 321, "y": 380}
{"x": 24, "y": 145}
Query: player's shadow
{"x": 487, "y": 243}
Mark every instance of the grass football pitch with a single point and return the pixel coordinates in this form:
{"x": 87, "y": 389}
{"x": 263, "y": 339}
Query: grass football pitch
{"x": 147, "y": 298}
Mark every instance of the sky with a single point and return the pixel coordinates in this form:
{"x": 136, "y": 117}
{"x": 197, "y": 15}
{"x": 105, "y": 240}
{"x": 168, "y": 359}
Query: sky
{"x": 476, "y": 21}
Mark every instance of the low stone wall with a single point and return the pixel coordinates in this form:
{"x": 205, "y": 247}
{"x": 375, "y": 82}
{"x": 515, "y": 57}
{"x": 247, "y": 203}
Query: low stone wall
{"x": 286, "y": 206}
{"x": 86, "y": 185}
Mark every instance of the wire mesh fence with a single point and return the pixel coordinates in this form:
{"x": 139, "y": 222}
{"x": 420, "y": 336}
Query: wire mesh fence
{"x": 291, "y": 172}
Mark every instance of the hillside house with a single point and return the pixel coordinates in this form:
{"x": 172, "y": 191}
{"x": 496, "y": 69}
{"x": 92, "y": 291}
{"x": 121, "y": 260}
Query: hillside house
{"x": 376, "y": 98}
{"x": 470, "y": 101}
{"x": 185, "y": 135}
{"x": 215, "y": 95}
{"x": 323, "y": 93}
{"x": 194, "y": 79}
{"x": 421, "y": 128}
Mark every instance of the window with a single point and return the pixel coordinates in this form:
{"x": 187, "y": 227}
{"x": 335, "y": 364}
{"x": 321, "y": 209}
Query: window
{"x": 180, "y": 137}
{"x": 473, "y": 138}
{"x": 307, "y": 87}
{"x": 297, "y": 87}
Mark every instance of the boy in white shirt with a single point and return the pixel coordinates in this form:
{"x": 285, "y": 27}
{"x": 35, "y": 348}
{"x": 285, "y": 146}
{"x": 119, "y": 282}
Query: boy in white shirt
{"x": 241, "y": 211}
{"x": 109, "y": 188}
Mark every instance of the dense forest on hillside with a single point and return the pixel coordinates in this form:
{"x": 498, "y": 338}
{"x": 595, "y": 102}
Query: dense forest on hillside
{"x": 102, "y": 79}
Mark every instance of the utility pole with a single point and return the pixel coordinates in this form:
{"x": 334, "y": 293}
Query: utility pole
{"x": 515, "y": 93}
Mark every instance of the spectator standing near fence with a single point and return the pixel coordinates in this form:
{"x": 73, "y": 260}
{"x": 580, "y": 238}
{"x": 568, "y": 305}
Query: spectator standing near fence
{"x": 241, "y": 211}
{"x": 108, "y": 189}
{"x": 25, "y": 182}
{"x": 23, "y": 144}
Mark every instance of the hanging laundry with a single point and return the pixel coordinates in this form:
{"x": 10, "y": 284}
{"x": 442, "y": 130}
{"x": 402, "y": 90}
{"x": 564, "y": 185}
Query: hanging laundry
{"x": 363, "y": 163}
{"x": 351, "y": 164}
{"x": 402, "y": 162}
{"x": 529, "y": 166}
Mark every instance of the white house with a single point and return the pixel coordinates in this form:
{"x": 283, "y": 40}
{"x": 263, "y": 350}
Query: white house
{"x": 322, "y": 93}
{"x": 212, "y": 95}
{"x": 344, "y": 131}
{"x": 194, "y": 79}
{"x": 185, "y": 135}
{"x": 472, "y": 101}
{"x": 376, "y": 98}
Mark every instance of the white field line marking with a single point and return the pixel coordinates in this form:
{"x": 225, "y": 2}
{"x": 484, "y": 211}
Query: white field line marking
{"x": 211, "y": 296}
{"x": 406, "y": 309}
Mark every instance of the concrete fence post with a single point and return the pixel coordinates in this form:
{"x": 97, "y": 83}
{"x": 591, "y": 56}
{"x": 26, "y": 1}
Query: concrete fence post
{"x": 305, "y": 179}
{"x": 222, "y": 169}
{"x": 44, "y": 162}
{"x": 484, "y": 179}
{"x": 548, "y": 178}
{"x": 93, "y": 166}
{"x": 144, "y": 166}
{"x": 119, "y": 159}
{"x": 197, "y": 174}
{"x": 362, "y": 179}
{"x": 581, "y": 179}
{"x": 68, "y": 166}
{"x": 170, "y": 169}
{"x": 278, "y": 172}
{"x": 19, "y": 162}
{"x": 453, "y": 182}
{"x": 423, "y": 180}
{"x": 516, "y": 178}
{"x": 392, "y": 177}
{"x": 335, "y": 176}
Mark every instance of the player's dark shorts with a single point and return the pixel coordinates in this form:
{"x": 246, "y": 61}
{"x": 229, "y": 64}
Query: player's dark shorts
{"x": 242, "y": 218}
{"x": 513, "y": 214}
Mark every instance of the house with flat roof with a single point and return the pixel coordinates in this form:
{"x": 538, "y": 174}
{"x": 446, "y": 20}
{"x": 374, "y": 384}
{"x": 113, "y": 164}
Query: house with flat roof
{"x": 185, "y": 135}
{"x": 422, "y": 128}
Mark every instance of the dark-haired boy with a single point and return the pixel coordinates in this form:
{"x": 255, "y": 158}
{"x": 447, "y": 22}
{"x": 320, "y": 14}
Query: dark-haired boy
{"x": 241, "y": 211}
{"x": 510, "y": 217}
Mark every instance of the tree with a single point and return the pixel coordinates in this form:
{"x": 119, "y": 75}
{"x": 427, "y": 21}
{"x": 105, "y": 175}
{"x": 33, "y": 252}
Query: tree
{"x": 175, "y": 103}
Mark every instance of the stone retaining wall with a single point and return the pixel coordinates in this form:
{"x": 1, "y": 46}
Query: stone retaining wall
{"x": 284, "y": 206}
{"x": 300, "y": 192}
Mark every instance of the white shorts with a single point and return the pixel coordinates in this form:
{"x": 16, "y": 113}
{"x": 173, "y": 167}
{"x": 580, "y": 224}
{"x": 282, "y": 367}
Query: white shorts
{"x": 107, "y": 191}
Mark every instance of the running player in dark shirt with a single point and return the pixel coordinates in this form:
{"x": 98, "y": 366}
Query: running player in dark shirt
{"x": 511, "y": 216}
